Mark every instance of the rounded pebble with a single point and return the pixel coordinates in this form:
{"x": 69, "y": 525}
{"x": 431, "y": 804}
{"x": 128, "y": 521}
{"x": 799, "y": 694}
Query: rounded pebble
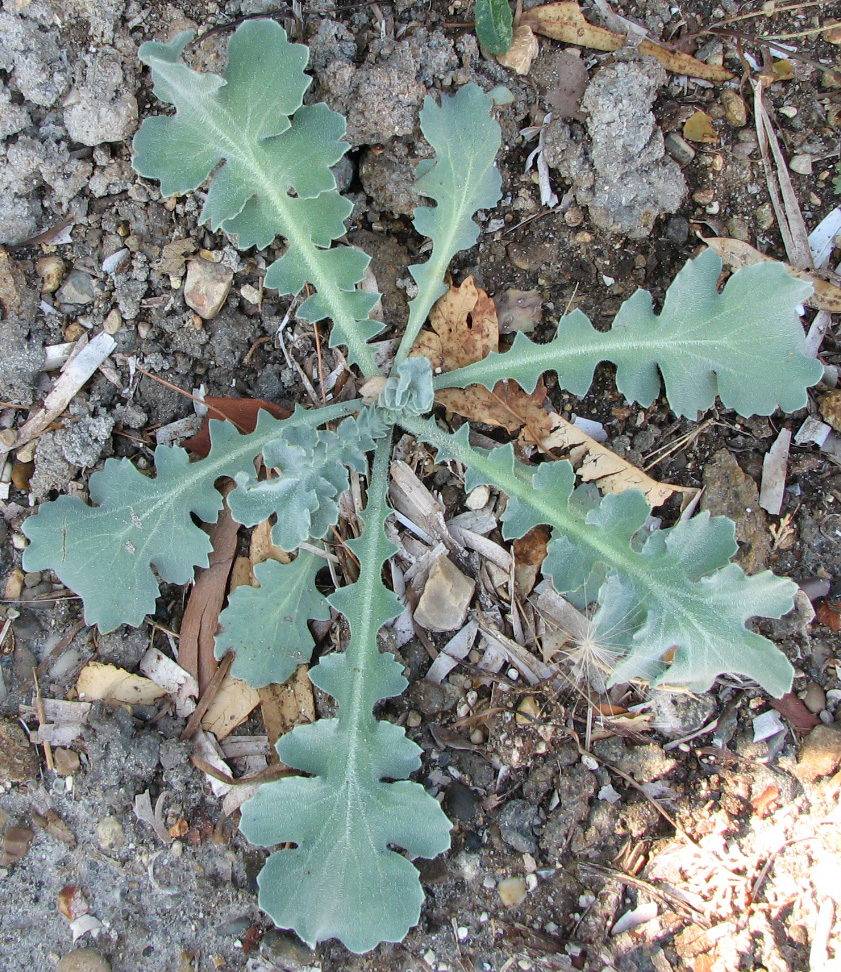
{"x": 83, "y": 960}
{"x": 512, "y": 891}
{"x": 814, "y": 698}
{"x": 110, "y": 833}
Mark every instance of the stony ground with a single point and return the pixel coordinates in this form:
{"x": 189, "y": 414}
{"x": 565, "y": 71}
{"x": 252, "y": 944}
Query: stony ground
{"x": 680, "y": 838}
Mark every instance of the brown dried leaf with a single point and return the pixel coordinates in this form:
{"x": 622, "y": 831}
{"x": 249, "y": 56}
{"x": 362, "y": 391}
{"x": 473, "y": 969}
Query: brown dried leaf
{"x": 565, "y": 22}
{"x": 523, "y": 50}
{"x": 262, "y": 548}
{"x": 231, "y": 706}
{"x": 737, "y": 254}
{"x": 507, "y": 406}
{"x": 288, "y": 705}
{"x": 196, "y": 646}
{"x": 796, "y": 712}
{"x": 595, "y": 463}
{"x": 243, "y": 412}
{"x": 829, "y": 615}
{"x": 108, "y": 683}
{"x": 699, "y": 128}
{"x": 464, "y": 329}
{"x": 830, "y": 406}
{"x": 529, "y": 553}
{"x": 174, "y": 255}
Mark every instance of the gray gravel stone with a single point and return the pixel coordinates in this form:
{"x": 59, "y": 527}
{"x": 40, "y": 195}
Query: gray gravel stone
{"x": 35, "y": 59}
{"x": 78, "y": 288}
{"x": 13, "y": 118}
{"x": 623, "y": 176}
{"x": 517, "y": 820}
{"x": 20, "y": 362}
{"x": 100, "y": 107}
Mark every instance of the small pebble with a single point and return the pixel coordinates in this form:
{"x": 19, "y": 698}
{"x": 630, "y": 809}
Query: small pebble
{"x": 414, "y": 719}
{"x": 677, "y": 230}
{"x": 820, "y": 754}
{"x": 110, "y": 834}
{"x": 14, "y": 584}
{"x": 113, "y": 321}
{"x": 512, "y": 891}
{"x": 679, "y": 149}
{"x": 461, "y": 802}
{"x": 83, "y": 960}
{"x": 78, "y": 288}
{"x": 814, "y": 698}
{"x": 51, "y": 270}
{"x": 735, "y": 110}
{"x": 66, "y": 761}
{"x": 801, "y": 164}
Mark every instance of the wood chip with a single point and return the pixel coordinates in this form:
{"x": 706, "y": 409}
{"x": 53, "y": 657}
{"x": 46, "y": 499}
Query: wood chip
{"x": 774, "y": 471}
{"x": 76, "y": 372}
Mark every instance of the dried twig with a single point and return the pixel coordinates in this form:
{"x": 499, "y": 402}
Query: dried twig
{"x": 209, "y": 695}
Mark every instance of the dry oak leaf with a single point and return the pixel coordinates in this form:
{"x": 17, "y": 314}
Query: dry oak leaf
{"x": 464, "y": 329}
{"x": 507, "y": 406}
{"x": 595, "y": 463}
{"x": 565, "y": 22}
{"x": 737, "y": 254}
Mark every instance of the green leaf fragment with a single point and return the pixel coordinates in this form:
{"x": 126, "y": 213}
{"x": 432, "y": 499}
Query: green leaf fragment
{"x": 267, "y": 625}
{"x": 744, "y": 344}
{"x": 464, "y": 179}
{"x": 494, "y": 25}
{"x": 682, "y": 596}
{"x": 276, "y": 178}
{"x": 343, "y": 879}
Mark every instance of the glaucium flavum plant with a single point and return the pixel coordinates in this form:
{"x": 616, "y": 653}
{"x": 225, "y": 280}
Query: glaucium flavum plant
{"x": 352, "y": 815}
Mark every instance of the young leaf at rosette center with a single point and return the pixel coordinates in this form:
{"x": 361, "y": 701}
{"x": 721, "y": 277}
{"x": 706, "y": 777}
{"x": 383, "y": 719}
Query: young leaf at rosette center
{"x": 267, "y": 625}
{"x": 494, "y": 25}
{"x": 313, "y": 473}
{"x": 276, "y": 178}
{"x": 464, "y": 179}
{"x": 744, "y": 344}
{"x": 687, "y": 598}
{"x": 343, "y": 879}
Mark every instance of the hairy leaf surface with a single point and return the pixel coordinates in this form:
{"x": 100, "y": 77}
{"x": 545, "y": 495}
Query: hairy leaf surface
{"x": 313, "y": 473}
{"x": 276, "y": 178}
{"x": 343, "y": 880}
{"x": 690, "y": 601}
{"x": 463, "y": 180}
{"x": 744, "y": 344}
{"x": 494, "y": 24}
{"x": 267, "y": 625}
{"x": 106, "y": 552}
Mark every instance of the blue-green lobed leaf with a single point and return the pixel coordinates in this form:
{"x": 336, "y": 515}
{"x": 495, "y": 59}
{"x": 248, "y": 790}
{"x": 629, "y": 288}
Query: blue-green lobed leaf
{"x": 744, "y": 344}
{"x": 464, "y": 179}
{"x": 106, "y": 552}
{"x": 687, "y": 605}
{"x": 266, "y": 626}
{"x": 343, "y": 879}
{"x": 275, "y": 179}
